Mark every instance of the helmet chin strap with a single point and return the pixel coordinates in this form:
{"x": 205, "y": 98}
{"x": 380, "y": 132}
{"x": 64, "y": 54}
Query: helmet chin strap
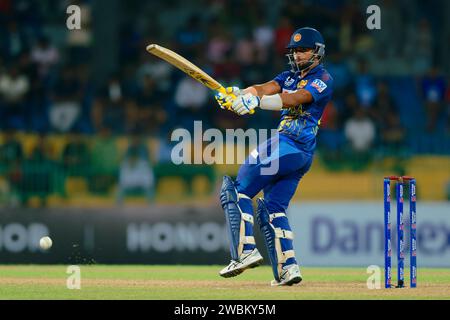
{"x": 309, "y": 66}
{"x": 305, "y": 67}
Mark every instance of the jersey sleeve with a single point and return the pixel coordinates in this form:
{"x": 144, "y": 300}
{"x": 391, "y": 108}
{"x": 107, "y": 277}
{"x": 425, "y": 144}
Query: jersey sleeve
{"x": 320, "y": 87}
{"x": 281, "y": 78}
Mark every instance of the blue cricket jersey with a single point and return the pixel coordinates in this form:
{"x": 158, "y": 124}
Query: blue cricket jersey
{"x": 301, "y": 123}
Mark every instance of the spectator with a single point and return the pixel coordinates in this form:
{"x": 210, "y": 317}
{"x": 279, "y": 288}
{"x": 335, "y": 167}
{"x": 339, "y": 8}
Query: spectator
{"x": 38, "y": 101}
{"x": 218, "y": 45}
{"x": 191, "y": 98}
{"x": 14, "y": 87}
{"x": 364, "y": 85}
{"x": 104, "y": 162}
{"x": 419, "y": 47}
{"x": 263, "y": 36}
{"x": 84, "y": 122}
{"x": 164, "y": 149}
{"x": 41, "y": 175}
{"x": 11, "y": 152}
{"x": 129, "y": 83}
{"x": 135, "y": 172}
{"x": 42, "y": 150}
{"x": 330, "y": 117}
{"x": 228, "y": 70}
{"x": 75, "y": 156}
{"x": 157, "y": 69}
{"x": 150, "y": 108}
{"x": 14, "y": 41}
{"x": 433, "y": 93}
{"x": 46, "y": 56}
{"x": 245, "y": 55}
{"x": 331, "y": 139}
{"x": 338, "y": 66}
{"x": 350, "y": 105}
{"x": 67, "y": 97}
{"x": 191, "y": 38}
{"x": 27, "y": 67}
{"x": 283, "y": 35}
{"x": 383, "y": 106}
{"x": 11, "y": 159}
{"x": 392, "y": 133}
{"x": 113, "y": 109}
{"x": 360, "y": 133}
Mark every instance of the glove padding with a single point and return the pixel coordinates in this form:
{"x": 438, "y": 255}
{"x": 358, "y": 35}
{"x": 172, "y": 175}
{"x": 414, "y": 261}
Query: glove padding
{"x": 225, "y": 100}
{"x": 244, "y": 104}
{"x": 233, "y": 90}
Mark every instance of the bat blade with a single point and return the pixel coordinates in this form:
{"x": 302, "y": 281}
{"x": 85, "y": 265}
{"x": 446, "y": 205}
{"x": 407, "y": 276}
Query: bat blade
{"x": 186, "y": 66}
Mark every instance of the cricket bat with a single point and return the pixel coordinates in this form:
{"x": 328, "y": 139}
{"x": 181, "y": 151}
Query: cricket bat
{"x": 187, "y": 67}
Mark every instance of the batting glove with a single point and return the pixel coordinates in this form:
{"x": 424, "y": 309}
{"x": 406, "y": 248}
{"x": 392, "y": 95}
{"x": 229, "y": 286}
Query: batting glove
{"x": 233, "y": 90}
{"x": 224, "y": 100}
{"x": 244, "y": 104}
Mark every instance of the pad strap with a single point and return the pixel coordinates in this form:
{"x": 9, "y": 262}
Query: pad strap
{"x": 286, "y": 234}
{"x": 289, "y": 254}
{"x": 243, "y": 196}
{"x": 247, "y": 217}
{"x": 249, "y": 240}
{"x": 277, "y": 215}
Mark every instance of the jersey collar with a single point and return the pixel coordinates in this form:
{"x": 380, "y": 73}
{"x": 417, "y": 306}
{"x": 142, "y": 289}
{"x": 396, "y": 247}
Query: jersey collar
{"x": 311, "y": 72}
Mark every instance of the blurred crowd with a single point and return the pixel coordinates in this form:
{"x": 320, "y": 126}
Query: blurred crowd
{"x": 389, "y": 83}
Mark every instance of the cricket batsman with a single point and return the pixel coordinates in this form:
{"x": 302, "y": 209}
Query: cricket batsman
{"x": 300, "y": 95}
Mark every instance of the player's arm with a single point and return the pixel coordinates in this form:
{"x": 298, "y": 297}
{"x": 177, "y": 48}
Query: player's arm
{"x": 268, "y": 88}
{"x": 280, "y": 101}
{"x": 257, "y": 90}
{"x": 313, "y": 91}
{"x": 294, "y": 99}
{"x": 246, "y": 103}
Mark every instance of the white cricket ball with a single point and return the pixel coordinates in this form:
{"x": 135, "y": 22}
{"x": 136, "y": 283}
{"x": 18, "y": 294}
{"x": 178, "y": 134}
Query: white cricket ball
{"x": 45, "y": 243}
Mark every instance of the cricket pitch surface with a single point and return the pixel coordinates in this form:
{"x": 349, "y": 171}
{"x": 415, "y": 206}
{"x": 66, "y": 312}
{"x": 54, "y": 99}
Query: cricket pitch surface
{"x": 158, "y": 282}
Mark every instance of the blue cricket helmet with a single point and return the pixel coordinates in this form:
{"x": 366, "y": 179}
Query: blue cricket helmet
{"x": 307, "y": 38}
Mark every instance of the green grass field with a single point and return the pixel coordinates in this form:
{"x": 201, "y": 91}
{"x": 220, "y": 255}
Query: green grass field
{"x": 204, "y": 283}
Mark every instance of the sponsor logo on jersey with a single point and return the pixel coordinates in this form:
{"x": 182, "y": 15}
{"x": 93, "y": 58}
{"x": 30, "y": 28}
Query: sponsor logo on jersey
{"x": 319, "y": 85}
{"x": 289, "y": 81}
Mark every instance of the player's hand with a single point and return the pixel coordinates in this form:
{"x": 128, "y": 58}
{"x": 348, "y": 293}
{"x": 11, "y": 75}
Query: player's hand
{"x": 244, "y": 104}
{"x": 224, "y": 100}
{"x": 233, "y": 90}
